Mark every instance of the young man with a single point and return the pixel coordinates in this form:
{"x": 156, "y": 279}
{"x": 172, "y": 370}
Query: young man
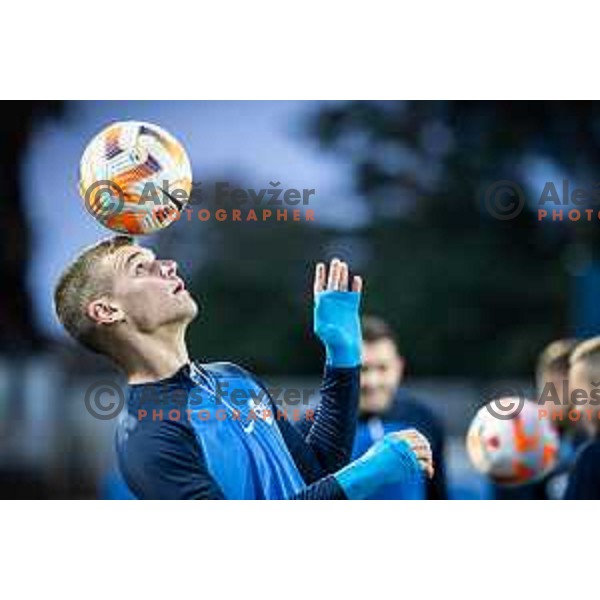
{"x": 385, "y": 406}
{"x": 584, "y": 379}
{"x": 211, "y": 431}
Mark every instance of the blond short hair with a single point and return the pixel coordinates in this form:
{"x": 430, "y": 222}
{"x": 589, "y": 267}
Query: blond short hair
{"x": 586, "y": 350}
{"x": 80, "y": 283}
{"x": 588, "y": 353}
{"x": 555, "y": 357}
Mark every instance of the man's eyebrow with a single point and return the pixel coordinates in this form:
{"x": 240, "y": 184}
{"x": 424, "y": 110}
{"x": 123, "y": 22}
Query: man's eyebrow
{"x": 135, "y": 255}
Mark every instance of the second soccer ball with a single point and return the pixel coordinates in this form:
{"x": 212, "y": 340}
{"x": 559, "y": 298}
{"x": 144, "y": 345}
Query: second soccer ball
{"x": 512, "y": 451}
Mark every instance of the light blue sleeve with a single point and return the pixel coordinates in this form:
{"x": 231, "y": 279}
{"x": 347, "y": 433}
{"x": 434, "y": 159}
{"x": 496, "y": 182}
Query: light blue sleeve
{"x": 388, "y": 461}
{"x": 337, "y": 324}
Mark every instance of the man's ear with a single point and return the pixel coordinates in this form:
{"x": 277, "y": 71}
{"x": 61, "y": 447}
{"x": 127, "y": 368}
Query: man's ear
{"x": 104, "y": 311}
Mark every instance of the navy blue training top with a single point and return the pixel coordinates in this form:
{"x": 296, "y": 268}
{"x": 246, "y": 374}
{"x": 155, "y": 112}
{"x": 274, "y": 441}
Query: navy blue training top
{"x": 213, "y": 431}
{"x": 584, "y": 479}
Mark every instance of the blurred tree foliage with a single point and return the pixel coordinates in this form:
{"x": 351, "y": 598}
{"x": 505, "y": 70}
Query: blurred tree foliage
{"x": 468, "y": 294}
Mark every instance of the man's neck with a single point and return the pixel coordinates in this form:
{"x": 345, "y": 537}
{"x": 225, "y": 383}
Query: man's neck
{"x": 151, "y": 358}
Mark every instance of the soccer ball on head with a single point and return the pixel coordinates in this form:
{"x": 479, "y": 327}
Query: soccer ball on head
{"x": 513, "y": 450}
{"x": 135, "y": 177}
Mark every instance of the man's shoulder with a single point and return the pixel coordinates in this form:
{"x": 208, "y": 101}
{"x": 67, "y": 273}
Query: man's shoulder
{"x": 584, "y": 480}
{"x": 407, "y": 407}
{"x": 226, "y": 368}
{"x": 589, "y": 455}
{"x": 150, "y": 428}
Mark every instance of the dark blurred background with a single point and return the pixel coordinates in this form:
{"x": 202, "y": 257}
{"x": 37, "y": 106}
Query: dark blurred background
{"x": 400, "y": 194}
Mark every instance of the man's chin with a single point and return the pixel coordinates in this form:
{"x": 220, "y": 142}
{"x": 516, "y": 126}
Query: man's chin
{"x": 186, "y": 310}
{"x": 374, "y": 404}
{"x": 192, "y": 308}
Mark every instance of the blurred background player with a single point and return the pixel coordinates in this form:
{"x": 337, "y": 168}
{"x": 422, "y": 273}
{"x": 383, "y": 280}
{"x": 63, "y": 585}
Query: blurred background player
{"x": 584, "y": 374}
{"x": 553, "y": 387}
{"x": 386, "y": 406}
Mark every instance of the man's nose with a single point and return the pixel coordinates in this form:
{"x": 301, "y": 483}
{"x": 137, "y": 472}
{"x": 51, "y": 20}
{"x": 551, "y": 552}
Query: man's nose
{"x": 168, "y": 268}
{"x": 368, "y": 379}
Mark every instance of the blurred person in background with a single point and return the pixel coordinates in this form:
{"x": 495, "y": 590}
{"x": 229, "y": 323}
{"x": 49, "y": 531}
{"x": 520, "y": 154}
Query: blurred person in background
{"x": 386, "y": 406}
{"x": 552, "y": 383}
{"x": 553, "y": 389}
{"x": 584, "y": 374}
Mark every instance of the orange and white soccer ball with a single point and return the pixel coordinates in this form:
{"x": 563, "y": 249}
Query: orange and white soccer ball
{"x": 512, "y": 451}
{"x": 135, "y": 177}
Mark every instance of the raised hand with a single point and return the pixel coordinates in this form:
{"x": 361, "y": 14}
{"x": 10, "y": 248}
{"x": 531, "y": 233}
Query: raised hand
{"x": 338, "y": 278}
{"x": 336, "y": 313}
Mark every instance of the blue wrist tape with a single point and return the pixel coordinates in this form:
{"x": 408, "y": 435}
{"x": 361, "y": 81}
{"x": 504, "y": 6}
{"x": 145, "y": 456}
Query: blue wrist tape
{"x": 337, "y": 324}
{"x": 388, "y": 461}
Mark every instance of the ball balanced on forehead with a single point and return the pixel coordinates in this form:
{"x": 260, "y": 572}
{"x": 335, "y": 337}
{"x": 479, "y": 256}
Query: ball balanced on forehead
{"x": 135, "y": 178}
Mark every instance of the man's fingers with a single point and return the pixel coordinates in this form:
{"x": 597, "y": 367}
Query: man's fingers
{"x": 421, "y": 451}
{"x": 333, "y": 280}
{"x": 319, "y": 284}
{"x": 426, "y": 463}
{"x": 418, "y": 443}
{"x": 428, "y": 468}
{"x": 337, "y": 278}
{"x": 343, "y": 287}
{"x": 411, "y": 434}
{"x": 420, "y": 446}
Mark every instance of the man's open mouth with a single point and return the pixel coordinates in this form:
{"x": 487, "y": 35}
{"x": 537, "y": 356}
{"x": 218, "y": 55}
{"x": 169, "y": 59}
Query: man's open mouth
{"x": 180, "y": 287}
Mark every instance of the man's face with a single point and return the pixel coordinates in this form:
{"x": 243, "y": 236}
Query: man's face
{"x": 579, "y": 379}
{"x": 381, "y": 373}
{"x": 148, "y": 291}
